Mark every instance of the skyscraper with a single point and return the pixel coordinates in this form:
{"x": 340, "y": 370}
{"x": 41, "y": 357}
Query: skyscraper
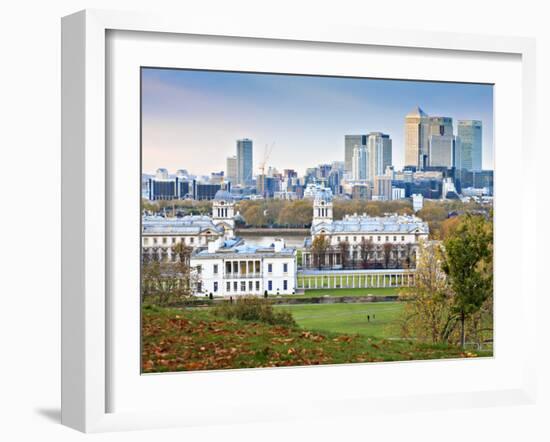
{"x": 441, "y": 150}
{"x": 379, "y": 150}
{"x": 231, "y": 169}
{"x": 359, "y": 163}
{"x": 244, "y": 162}
{"x": 416, "y": 138}
{"x": 350, "y": 141}
{"x": 469, "y": 132}
{"x": 440, "y": 142}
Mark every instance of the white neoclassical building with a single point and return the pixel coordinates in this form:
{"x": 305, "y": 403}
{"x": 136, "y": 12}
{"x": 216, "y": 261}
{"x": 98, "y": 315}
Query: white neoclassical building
{"x": 232, "y": 268}
{"x": 403, "y": 232}
{"x": 159, "y": 234}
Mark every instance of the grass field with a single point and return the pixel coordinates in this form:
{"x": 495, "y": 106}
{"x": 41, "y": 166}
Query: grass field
{"x": 350, "y": 318}
{"x": 386, "y": 291}
{"x": 195, "y": 339}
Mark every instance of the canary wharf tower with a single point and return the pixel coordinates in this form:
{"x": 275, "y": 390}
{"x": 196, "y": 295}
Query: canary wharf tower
{"x": 416, "y": 138}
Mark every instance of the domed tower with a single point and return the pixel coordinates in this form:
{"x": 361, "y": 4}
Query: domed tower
{"x": 223, "y": 212}
{"x": 322, "y": 207}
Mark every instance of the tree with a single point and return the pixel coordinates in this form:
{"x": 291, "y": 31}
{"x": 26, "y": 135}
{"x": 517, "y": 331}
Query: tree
{"x": 469, "y": 266}
{"x": 163, "y": 282}
{"x": 296, "y": 213}
{"x": 365, "y": 250}
{"x": 409, "y": 256}
{"x": 255, "y": 215}
{"x": 387, "y": 249}
{"x": 319, "y": 249}
{"x": 428, "y": 313}
{"x": 343, "y": 248}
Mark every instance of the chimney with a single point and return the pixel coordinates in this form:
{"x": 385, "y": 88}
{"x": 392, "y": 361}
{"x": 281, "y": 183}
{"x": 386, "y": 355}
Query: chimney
{"x": 214, "y": 245}
{"x": 279, "y": 244}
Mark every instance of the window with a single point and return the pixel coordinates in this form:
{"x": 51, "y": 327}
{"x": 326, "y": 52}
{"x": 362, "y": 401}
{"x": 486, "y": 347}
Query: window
{"x": 257, "y": 286}
{"x": 145, "y": 241}
{"x": 173, "y": 240}
{"x": 285, "y": 285}
{"x": 270, "y": 285}
{"x": 215, "y": 269}
{"x": 215, "y": 286}
{"x": 235, "y": 286}
{"x": 379, "y": 238}
{"x": 228, "y": 286}
{"x": 395, "y": 238}
{"x": 346, "y": 239}
{"x": 164, "y": 240}
{"x": 354, "y": 239}
{"x": 338, "y": 239}
{"x": 250, "y": 284}
{"x": 387, "y": 238}
{"x": 199, "y": 269}
{"x": 243, "y": 286}
{"x": 285, "y": 267}
{"x": 155, "y": 241}
{"x": 191, "y": 240}
{"x": 270, "y": 269}
{"x": 402, "y": 238}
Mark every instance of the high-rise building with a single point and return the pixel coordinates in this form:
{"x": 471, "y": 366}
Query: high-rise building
{"x": 440, "y": 142}
{"x": 379, "y": 151}
{"x": 350, "y": 141}
{"x": 382, "y": 189}
{"x": 244, "y": 162}
{"x": 231, "y": 169}
{"x": 359, "y": 163}
{"x": 416, "y": 138}
{"x": 440, "y": 126}
{"x": 441, "y": 150}
{"x": 469, "y": 132}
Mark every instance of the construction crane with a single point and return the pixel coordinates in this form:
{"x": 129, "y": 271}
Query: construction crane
{"x": 267, "y": 154}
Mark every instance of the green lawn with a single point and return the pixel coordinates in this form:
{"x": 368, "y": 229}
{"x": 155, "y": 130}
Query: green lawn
{"x": 385, "y": 291}
{"x": 349, "y": 318}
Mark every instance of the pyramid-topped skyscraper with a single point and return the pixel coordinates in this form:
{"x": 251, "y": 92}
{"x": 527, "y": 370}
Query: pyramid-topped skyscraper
{"x": 416, "y": 137}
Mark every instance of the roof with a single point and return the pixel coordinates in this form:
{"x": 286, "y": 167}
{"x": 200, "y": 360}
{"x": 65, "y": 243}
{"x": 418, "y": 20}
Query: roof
{"x": 417, "y": 112}
{"x": 368, "y": 224}
{"x": 223, "y": 195}
{"x": 242, "y": 250}
{"x": 187, "y": 225}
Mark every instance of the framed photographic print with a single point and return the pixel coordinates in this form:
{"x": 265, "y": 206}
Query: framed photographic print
{"x": 249, "y": 214}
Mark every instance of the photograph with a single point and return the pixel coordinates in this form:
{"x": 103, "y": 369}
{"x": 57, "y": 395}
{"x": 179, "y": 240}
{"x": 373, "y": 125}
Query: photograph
{"x": 303, "y": 220}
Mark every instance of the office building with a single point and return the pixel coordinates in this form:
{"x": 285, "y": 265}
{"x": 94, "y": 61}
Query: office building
{"x": 350, "y": 142}
{"x": 382, "y": 188}
{"x": 441, "y": 150}
{"x": 244, "y": 162}
{"x": 418, "y": 202}
{"x": 416, "y": 138}
{"x": 470, "y": 132}
{"x": 379, "y": 151}
{"x": 359, "y": 170}
{"x": 231, "y": 169}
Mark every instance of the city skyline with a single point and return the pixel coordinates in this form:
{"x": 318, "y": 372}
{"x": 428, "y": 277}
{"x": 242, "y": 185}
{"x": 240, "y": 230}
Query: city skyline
{"x": 192, "y": 119}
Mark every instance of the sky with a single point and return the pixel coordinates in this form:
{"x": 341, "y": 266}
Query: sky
{"x": 192, "y": 119}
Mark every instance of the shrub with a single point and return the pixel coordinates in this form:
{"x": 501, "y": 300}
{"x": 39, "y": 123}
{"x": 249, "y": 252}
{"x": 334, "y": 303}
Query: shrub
{"x": 255, "y": 309}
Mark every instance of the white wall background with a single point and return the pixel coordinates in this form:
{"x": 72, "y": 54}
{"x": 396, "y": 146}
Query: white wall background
{"x": 30, "y": 222}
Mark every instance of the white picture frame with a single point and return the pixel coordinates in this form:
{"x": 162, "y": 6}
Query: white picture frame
{"x": 86, "y": 316}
